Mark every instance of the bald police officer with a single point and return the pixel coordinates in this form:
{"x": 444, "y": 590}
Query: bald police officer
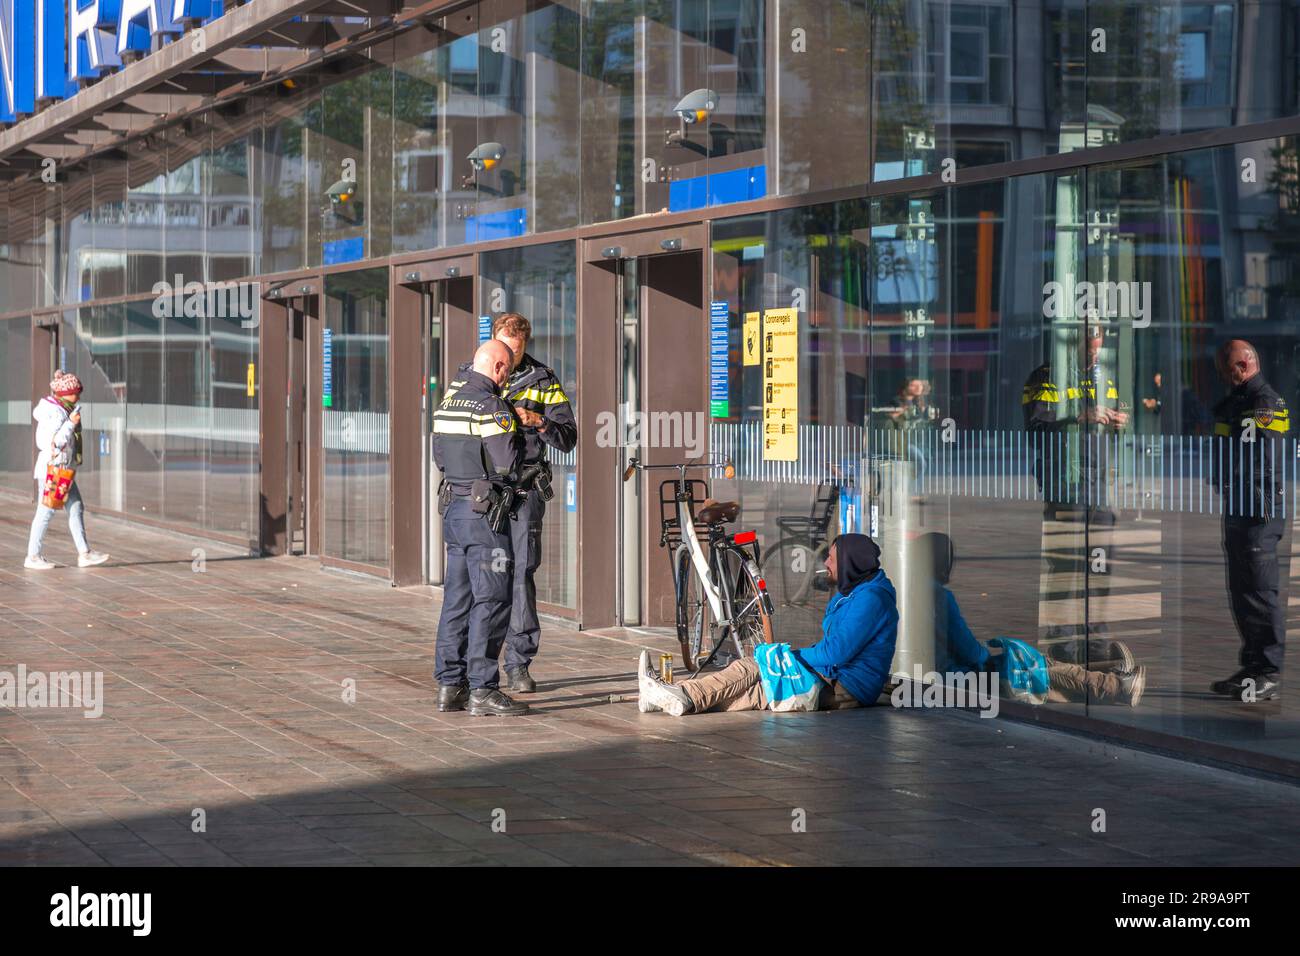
{"x": 477, "y": 446}
{"x": 1256, "y": 419}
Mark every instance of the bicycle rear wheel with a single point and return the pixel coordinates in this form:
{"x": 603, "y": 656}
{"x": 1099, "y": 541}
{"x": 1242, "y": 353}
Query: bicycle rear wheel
{"x": 788, "y": 568}
{"x": 753, "y": 609}
{"x": 692, "y": 609}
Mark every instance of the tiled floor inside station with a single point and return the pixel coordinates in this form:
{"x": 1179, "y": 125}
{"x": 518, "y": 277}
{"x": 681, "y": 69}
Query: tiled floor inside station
{"x": 263, "y": 711}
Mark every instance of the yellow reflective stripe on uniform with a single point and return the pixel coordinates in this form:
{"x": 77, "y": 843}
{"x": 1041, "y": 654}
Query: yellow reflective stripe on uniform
{"x": 1280, "y": 422}
{"x": 551, "y": 395}
{"x": 1045, "y": 393}
{"x": 453, "y": 426}
{"x": 487, "y": 426}
{"x": 1222, "y": 428}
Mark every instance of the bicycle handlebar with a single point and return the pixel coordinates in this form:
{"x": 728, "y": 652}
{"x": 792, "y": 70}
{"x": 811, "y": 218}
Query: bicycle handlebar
{"x": 729, "y": 469}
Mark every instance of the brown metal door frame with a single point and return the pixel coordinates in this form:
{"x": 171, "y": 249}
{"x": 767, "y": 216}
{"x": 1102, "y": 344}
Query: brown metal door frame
{"x": 303, "y": 292}
{"x": 410, "y": 466}
{"x": 678, "y": 296}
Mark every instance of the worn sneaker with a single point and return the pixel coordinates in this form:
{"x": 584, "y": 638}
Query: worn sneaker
{"x": 643, "y": 673}
{"x": 38, "y": 563}
{"x": 90, "y": 558}
{"x": 1134, "y": 683}
{"x": 656, "y": 695}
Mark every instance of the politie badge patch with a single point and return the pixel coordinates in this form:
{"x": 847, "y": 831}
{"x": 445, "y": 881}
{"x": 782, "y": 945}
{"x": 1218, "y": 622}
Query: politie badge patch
{"x": 504, "y": 419}
{"x": 1264, "y": 417}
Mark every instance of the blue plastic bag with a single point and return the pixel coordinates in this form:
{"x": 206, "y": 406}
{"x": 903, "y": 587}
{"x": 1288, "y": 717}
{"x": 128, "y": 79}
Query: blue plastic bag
{"x": 1023, "y": 669}
{"x": 788, "y": 685}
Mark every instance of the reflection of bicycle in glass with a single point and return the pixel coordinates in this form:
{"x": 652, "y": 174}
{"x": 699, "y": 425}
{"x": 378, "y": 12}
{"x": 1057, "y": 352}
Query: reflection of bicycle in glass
{"x": 720, "y": 592}
{"x": 790, "y": 566}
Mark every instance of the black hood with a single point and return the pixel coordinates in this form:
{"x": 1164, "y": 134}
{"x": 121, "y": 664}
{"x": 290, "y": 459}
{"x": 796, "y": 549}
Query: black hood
{"x": 857, "y": 559}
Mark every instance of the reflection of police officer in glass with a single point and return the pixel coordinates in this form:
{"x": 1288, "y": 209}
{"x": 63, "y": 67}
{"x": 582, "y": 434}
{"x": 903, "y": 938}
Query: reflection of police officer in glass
{"x": 1071, "y": 412}
{"x": 477, "y": 445}
{"x": 1255, "y": 418}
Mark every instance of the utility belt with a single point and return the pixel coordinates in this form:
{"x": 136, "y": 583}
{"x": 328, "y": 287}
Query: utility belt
{"x": 495, "y": 500}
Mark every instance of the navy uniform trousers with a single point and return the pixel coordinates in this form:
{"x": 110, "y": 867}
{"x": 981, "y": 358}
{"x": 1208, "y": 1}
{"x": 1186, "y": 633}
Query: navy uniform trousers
{"x": 476, "y": 599}
{"x": 1254, "y": 580}
{"x": 525, "y": 631}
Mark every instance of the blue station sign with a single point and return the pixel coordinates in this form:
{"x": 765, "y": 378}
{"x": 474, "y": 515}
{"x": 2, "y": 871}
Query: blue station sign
{"x": 48, "y": 46}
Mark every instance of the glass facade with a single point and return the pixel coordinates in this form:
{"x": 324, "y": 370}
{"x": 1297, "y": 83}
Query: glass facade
{"x": 355, "y": 418}
{"x": 839, "y": 157}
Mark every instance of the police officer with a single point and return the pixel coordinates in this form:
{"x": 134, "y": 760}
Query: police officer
{"x": 477, "y": 446}
{"x": 1076, "y": 402}
{"x": 546, "y": 419}
{"x": 1255, "y": 418}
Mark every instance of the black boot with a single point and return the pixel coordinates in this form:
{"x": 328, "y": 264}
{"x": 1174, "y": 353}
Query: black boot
{"x": 1249, "y": 686}
{"x": 452, "y": 696}
{"x": 518, "y": 679}
{"x": 490, "y": 702}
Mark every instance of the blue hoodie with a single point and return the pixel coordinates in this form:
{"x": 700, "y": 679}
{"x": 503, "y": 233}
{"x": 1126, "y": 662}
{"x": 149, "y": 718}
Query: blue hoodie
{"x": 859, "y": 631}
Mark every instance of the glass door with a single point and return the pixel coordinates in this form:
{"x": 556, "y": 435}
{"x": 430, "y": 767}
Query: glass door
{"x": 629, "y": 405}
{"x": 431, "y": 394}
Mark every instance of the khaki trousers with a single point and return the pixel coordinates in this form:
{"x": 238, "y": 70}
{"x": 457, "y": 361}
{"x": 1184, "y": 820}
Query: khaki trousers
{"x": 737, "y": 687}
{"x": 1074, "y": 682}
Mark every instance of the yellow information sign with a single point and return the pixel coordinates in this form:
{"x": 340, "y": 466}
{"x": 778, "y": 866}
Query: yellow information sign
{"x": 781, "y": 385}
{"x": 751, "y": 348}
{"x": 252, "y": 379}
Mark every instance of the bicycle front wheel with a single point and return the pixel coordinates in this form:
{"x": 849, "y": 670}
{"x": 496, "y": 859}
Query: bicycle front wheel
{"x": 692, "y": 609}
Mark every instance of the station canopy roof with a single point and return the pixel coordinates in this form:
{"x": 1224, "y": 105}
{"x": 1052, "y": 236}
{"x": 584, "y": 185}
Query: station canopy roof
{"x": 261, "y": 47}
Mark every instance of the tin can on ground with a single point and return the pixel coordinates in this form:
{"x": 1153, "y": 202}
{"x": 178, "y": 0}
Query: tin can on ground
{"x": 666, "y": 668}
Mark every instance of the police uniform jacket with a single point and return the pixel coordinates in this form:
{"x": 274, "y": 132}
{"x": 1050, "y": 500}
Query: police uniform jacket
{"x": 536, "y": 387}
{"x": 475, "y": 433}
{"x": 1248, "y": 470}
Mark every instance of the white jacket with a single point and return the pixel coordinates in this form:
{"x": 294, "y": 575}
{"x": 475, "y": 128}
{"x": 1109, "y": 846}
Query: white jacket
{"x": 54, "y": 436}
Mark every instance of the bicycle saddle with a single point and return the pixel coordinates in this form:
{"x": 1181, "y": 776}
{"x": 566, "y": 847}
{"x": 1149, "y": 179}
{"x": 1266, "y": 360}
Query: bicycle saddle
{"x": 718, "y": 512}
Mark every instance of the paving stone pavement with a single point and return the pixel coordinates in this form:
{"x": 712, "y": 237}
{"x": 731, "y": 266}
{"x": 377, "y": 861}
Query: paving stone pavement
{"x": 224, "y": 692}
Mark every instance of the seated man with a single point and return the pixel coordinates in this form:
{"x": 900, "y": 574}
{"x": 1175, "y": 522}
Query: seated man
{"x": 852, "y": 658}
{"x": 958, "y": 650}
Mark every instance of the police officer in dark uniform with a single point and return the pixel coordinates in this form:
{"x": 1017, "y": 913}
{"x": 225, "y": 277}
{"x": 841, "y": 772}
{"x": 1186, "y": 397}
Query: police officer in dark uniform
{"x": 477, "y": 446}
{"x": 1256, "y": 419}
{"x": 1080, "y": 404}
{"x": 546, "y": 419}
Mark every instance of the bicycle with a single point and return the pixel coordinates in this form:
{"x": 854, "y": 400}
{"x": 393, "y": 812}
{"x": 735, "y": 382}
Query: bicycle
{"x": 791, "y": 564}
{"x": 720, "y": 592}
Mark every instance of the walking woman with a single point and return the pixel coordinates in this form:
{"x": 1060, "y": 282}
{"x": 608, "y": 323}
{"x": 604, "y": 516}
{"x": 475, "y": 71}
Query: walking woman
{"x": 58, "y": 441}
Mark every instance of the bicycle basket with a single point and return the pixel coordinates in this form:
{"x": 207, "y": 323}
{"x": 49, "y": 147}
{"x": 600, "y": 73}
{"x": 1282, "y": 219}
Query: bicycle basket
{"x": 697, "y": 490}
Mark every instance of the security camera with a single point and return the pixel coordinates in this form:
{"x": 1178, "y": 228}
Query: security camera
{"x": 693, "y": 108}
{"x": 696, "y": 106}
{"x": 342, "y": 192}
{"x": 486, "y": 156}
{"x": 344, "y": 203}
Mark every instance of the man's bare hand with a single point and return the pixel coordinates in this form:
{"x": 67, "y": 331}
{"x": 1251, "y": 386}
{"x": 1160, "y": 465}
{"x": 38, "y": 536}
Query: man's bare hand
{"x": 530, "y": 419}
{"x": 1104, "y": 416}
{"x": 76, "y": 418}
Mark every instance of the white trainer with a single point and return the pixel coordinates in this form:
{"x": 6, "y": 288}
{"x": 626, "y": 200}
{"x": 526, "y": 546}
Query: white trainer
{"x": 642, "y": 678}
{"x": 38, "y": 563}
{"x": 90, "y": 559}
{"x": 656, "y": 695}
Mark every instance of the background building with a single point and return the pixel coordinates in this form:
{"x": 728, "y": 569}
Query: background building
{"x": 908, "y": 176}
